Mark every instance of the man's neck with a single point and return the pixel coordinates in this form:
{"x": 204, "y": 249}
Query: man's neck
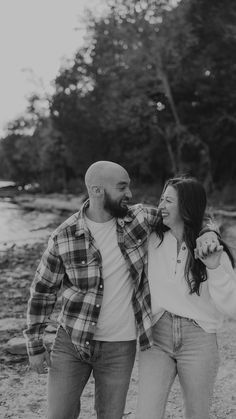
{"x": 98, "y": 215}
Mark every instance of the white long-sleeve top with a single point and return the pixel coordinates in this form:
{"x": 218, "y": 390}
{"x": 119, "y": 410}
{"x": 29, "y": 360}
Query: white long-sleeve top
{"x": 170, "y": 292}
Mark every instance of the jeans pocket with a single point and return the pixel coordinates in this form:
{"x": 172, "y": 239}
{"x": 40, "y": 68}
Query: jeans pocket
{"x": 61, "y": 339}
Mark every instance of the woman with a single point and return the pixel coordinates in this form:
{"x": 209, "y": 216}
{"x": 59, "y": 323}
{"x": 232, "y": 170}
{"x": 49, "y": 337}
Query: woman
{"x": 190, "y": 298}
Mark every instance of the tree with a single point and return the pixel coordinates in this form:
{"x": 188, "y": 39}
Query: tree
{"x": 137, "y": 58}
{"x": 153, "y": 89}
{"x": 210, "y": 77}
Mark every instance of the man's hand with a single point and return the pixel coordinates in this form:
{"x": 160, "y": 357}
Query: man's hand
{"x": 207, "y": 244}
{"x": 212, "y": 261}
{"x": 40, "y": 362}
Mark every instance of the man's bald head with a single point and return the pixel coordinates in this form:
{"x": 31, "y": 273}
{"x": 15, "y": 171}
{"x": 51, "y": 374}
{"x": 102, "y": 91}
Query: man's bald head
{"x": 102, "y": 172}
{"x": 108, "y": 186}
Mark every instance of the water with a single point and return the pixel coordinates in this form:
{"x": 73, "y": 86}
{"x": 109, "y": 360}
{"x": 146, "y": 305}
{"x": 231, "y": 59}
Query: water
{"x": 18, "y": 226}
{"x": 4, "y": 183}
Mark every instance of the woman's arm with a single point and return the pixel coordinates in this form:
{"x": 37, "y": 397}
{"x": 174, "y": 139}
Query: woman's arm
{"x": 222, "y": 283}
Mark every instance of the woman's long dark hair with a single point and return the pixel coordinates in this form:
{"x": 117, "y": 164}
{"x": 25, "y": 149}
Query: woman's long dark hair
{"x": 192, "y": 206}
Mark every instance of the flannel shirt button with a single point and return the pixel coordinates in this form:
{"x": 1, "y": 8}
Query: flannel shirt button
{"x": 87, "y": 343}
{"x": 83, "y": 262}
{"x": 139, "y": 240}
{"x": 100, "y": 286}
{"x": 93, "y": 323}
{"x": 97, "y": 305}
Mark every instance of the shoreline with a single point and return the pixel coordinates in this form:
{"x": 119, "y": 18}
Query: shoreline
{"x": 69, "y": 204}
{"x": 54, "y": 202}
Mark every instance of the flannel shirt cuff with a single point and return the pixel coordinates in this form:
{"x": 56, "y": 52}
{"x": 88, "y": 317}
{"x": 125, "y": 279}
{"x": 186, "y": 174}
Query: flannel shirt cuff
{"x": 35, "y": 347}
{"x": 210, "y": 227}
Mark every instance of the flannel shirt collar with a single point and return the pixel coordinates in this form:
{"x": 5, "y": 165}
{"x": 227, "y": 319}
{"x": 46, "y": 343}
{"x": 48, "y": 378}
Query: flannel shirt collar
{"x": 127, "y": 219}
{"x": 81, "y": 226}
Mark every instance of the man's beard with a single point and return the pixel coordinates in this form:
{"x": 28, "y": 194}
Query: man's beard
{"x": 113, "y": 207}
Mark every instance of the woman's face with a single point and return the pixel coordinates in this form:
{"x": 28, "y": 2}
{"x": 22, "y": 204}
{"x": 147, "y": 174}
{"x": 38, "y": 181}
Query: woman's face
{"x": 169, "y": 207}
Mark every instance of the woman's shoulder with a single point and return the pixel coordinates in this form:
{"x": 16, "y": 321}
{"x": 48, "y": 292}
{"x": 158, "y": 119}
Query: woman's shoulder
{"x": 155, "y": 240}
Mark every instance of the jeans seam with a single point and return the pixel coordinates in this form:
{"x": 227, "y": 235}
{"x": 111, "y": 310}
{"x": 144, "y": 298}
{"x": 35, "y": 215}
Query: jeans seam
{"x": 177, "y": 333}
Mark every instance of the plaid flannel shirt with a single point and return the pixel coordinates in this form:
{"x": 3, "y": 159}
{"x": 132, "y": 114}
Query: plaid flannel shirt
{"x": 73, "y": 262}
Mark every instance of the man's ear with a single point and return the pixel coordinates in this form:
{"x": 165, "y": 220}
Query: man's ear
{"x": 96, "y": 191}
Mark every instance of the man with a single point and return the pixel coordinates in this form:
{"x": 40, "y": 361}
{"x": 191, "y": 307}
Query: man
{"x": 97, "y": 257}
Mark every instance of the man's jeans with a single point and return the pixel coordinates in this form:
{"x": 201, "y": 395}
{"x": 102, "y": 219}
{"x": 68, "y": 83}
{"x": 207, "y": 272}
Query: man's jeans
{"x": 180, "y": 347}
{"x": 111, "y": 363}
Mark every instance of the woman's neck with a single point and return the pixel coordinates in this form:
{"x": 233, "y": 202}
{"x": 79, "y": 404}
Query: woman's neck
{"x": 178, "y": 233}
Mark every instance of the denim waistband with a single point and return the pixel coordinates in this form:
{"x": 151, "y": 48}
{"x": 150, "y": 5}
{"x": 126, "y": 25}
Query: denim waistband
{"x": 175, "y": 316}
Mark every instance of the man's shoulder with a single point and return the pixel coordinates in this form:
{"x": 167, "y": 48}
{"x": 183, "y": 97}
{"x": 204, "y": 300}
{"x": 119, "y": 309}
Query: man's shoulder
{"x": 69, "y": 223}
{"x": 140, "y": 208}
{"x": 136, "y": 208}
{"x": 141, "y": 214}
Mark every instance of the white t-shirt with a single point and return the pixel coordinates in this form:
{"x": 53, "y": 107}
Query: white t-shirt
{"x": 116, "y": 321}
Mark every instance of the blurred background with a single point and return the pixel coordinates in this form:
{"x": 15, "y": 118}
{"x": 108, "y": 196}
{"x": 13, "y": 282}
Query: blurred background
{"x": 149, "y": 84}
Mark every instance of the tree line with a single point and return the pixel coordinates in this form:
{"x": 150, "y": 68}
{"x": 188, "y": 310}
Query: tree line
{"x": 152, "y": 88}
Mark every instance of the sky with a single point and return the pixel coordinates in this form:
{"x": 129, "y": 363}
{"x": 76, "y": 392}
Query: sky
{"x": 36, "y": 36}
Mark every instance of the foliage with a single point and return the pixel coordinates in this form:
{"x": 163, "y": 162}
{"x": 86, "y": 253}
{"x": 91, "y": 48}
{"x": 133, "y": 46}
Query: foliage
{"x": 152, "y": 89}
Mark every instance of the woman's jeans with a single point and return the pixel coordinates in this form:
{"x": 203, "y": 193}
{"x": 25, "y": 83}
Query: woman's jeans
{"x": 182, "y": 348}
{"x": 111, "y": 363}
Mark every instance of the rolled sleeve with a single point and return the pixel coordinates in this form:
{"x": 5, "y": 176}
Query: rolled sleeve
{"x": 43, "y": 295}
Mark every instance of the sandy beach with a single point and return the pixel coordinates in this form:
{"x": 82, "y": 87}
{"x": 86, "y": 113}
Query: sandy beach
{"x": 23, "y": 393}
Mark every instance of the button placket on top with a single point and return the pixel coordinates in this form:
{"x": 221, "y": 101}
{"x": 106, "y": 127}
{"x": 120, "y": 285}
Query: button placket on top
{"x": 180, "y": 259}
{"x": 170, "y": 250}
{"x": 97, "y": 254}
